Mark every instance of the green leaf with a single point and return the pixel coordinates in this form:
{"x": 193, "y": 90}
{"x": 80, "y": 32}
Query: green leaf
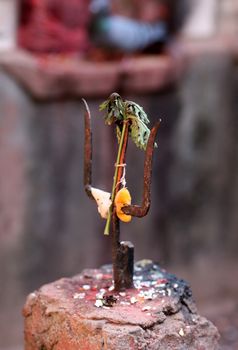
{"x": 103, "y": 105}
{"x": 139, "y": 132}
{"x": 115, "y": 109}
{"x": 134, "y": 109}
{"x": 119, "y": 110}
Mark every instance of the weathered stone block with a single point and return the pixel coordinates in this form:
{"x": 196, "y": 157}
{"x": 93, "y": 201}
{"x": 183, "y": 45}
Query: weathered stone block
{"x": 85, "y": 313}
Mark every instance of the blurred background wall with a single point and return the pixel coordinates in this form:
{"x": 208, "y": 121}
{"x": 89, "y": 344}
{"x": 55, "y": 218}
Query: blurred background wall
{"x": 48, "y": 226}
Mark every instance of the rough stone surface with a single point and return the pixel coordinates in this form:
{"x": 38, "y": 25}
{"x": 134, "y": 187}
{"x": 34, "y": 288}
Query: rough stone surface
{"x": 158, "y": 313}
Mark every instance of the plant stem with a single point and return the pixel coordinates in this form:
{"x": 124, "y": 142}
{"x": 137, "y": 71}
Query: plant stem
{"x": 120, "y": 156}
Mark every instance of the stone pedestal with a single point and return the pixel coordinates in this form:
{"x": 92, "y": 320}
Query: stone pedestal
{"x": 85, "y": 313}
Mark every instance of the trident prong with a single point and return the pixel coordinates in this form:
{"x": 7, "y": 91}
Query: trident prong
{"x": 136, "y": 210}
{"x": 87, "y": 151}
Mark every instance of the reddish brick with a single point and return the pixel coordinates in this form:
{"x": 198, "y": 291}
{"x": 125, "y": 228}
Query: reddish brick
{"x": 62, "y": 315}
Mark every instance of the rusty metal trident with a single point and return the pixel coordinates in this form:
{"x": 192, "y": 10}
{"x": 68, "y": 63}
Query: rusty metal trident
{"x": 122, "y": 252}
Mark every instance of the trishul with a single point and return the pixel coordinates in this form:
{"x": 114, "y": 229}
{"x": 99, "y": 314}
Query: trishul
{"x": 122, "y": 252}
